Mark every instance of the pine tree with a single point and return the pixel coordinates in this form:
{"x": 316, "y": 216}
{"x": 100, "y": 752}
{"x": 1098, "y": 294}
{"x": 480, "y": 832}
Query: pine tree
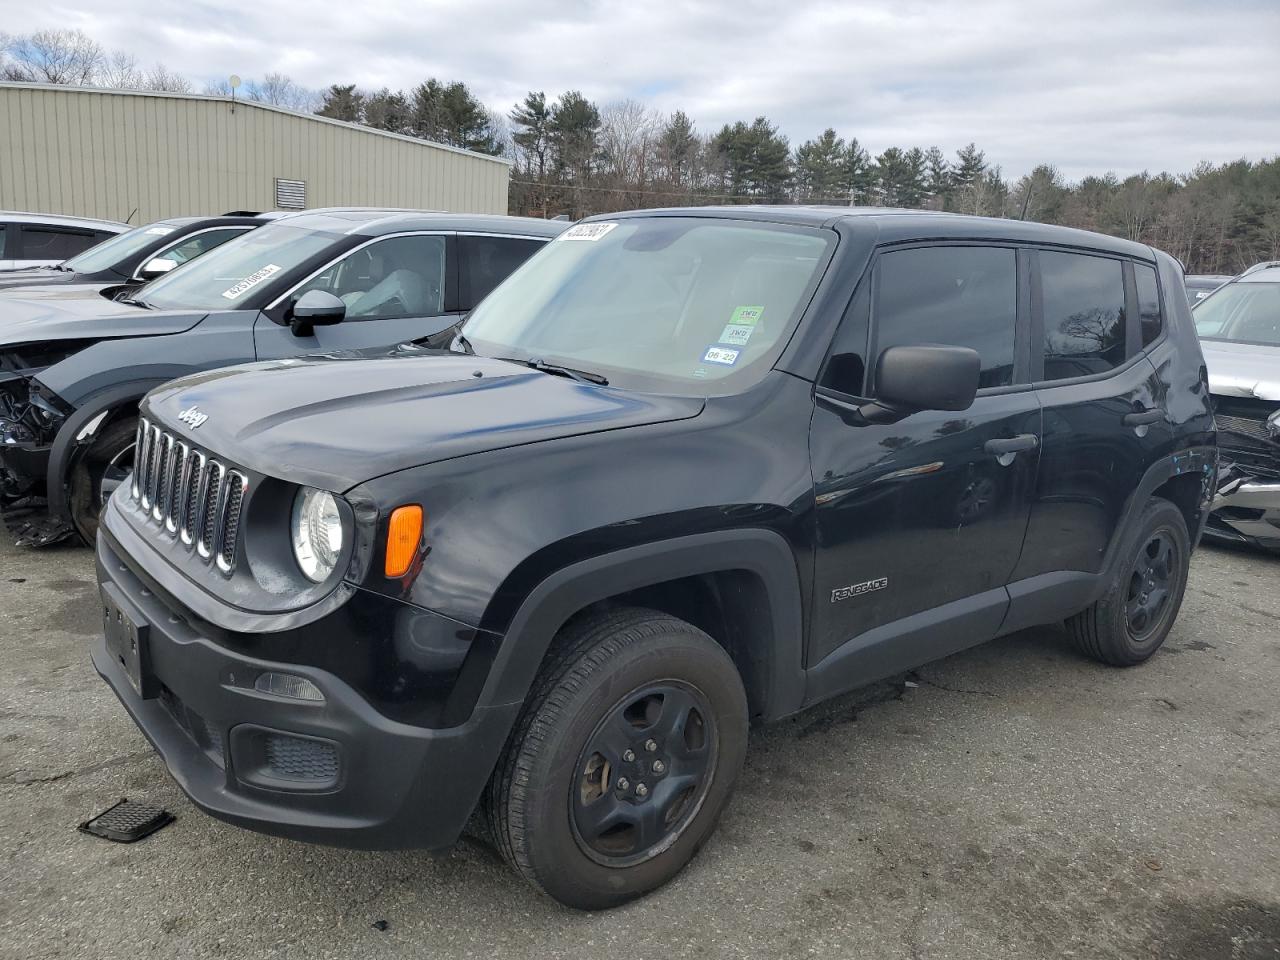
{"x": 343, "y": 102}
{"x": 820, "y": 169}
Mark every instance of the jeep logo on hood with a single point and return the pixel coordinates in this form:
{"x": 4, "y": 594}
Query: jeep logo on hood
{"x": 192, "y": 417}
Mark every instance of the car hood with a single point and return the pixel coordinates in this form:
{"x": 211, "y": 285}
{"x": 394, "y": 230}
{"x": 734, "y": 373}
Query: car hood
{"x": 1242, "y": 369}
{"x": 33, "y": 275}
{"x": 335, "y": 422}
{"x": 49, "y": 313}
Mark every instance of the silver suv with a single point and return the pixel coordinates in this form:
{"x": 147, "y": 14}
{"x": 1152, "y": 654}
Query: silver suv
{"x": 1239, "y": 328}
{"x": 43, "y": 239}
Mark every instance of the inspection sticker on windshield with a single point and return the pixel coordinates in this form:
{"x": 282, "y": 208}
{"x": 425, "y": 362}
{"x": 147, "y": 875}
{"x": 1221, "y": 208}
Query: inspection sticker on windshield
{"x": 737, "y": 334}
{"x": 724, "y": 355}
{"x": 159, "y": 231}
{"x": 251, "y": 281}
{"x": 587, "y": 231}
{"x": 746, "y": 316}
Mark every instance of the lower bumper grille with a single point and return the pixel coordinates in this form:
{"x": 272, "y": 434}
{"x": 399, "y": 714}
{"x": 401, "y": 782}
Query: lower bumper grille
{"x": 207, "y": 737}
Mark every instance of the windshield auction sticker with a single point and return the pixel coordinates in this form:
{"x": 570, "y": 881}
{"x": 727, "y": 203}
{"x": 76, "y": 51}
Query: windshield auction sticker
{"x": 741, "y": 325}
{"x": 587, "y": 231}
{"x": 724, "y": 355}
{"x": 251, "y": 281}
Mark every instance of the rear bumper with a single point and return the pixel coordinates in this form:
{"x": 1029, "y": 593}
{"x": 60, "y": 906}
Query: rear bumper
{"x": 366, "y": 781}
{"x": 1245, "y": 511}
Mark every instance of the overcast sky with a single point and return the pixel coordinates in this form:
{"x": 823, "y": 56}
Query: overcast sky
{"x": 1091, "y": 85}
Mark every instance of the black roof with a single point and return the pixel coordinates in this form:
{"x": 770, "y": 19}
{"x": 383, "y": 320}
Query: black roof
{"x": 374, "y": 222}
{"x": 895, "y": 224}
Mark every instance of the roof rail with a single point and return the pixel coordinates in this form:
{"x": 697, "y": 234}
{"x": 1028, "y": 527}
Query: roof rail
{"x": 1264, "y": 265}
{"x": 243, "y": 213}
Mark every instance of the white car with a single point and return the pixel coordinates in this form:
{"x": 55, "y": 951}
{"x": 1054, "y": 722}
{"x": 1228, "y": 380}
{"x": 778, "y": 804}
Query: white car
{"x": 44, "y": 239}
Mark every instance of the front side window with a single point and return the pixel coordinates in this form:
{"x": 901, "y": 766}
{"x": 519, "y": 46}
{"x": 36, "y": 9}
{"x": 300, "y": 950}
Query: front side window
{"x": 1148, "y": 302}
{"x": 109, "y": 253}
{"x": 952, "y": 296}
{"x": 1084, "y": 320}
{"x": 198, "y": 244}
{"x": 1243, "y": 312}
{"x": 396, "y": 277}
{"x": 659, "y": 303}
{"x": 239, "y": 271}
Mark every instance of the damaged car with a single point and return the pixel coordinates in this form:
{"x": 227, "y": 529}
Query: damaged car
{"x": 1239, "y": 328}
{"x": 131, "y": 259}
{"x": 73, "y": 367}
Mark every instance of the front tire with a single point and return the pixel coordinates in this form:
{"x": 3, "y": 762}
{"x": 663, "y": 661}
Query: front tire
{"x": 622, "y": 760}
{"x": 102, "y": 468}
{"x": 1131, "y": 620}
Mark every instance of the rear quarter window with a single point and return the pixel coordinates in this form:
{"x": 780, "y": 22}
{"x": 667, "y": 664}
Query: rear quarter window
{"x": 1149, "y": 317}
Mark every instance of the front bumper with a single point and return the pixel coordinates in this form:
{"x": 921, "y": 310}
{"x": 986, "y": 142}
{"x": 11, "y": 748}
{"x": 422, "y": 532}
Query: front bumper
{"x": 351, "y": 776}
{"x": 1246, "y": 511}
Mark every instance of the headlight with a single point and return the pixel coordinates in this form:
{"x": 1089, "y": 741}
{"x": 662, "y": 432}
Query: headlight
{"x": 317, "y": 533}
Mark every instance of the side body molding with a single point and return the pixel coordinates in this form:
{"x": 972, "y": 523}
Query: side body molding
{"x": 762, "y": 553}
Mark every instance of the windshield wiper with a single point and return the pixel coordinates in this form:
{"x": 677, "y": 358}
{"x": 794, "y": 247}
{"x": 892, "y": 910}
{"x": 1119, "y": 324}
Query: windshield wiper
{"x": 582, "y": 376}
{"x": 135, "y": 302}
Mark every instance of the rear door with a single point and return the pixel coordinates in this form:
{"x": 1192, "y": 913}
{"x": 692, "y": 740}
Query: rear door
{"x": 1103, "y": 408}
{"x": 928, "y": 513}
{"x": 396, "y": 288}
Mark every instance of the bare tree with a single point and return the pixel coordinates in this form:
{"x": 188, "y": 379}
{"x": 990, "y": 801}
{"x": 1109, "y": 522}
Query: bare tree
{"x": 161, "y": 78}
{"x": 54, "y": 56}
{"x": 279, "y": 90}
{"x": 120, "y": 71}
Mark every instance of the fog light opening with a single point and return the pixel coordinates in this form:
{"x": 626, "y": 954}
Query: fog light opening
{"x": 288, "y": 685}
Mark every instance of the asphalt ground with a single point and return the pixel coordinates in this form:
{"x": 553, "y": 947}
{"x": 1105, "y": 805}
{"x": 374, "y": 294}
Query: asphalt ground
{"x": 1015, "y": 800}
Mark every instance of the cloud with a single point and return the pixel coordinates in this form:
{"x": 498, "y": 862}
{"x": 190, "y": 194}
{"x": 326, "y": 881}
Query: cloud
{"x": 1091, "y": 85}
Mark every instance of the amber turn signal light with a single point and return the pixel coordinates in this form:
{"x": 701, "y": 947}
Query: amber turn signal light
{"x": 404, "y": 536}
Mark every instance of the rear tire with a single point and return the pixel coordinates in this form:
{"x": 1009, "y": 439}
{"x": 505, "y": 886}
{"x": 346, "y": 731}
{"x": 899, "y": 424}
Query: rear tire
{"x": 95, "y": 476}
{"x": 622, "y": 760}
{"x": 1131, "y": 620}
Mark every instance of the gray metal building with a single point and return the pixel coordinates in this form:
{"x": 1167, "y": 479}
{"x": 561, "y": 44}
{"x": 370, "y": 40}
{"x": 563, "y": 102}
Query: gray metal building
{"x": 142, "y": 156}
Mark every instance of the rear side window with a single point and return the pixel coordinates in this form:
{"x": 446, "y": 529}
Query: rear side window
{"x": 487, "y": 261}
{"x": 1084, "y": 322}
{"x": 1148, "y": 303}
{"x": 954, "y": 296}
{"x": 3, "y": 234}
{"x": 43, "y": 244}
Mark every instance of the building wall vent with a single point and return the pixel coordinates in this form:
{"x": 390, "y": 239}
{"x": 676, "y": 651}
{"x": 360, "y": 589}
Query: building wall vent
{"x": 291, "y": 194}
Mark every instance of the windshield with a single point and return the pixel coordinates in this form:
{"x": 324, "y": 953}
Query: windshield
{"x": 1241, "y": 312}
{"x": 674, "y": 303}
{"x": 224, "y": 278}
{"x": 106, "y": 255}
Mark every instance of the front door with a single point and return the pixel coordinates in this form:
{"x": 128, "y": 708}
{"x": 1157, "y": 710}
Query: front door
{"x": 396, "y": 289}
{"x": 928, "y": 513}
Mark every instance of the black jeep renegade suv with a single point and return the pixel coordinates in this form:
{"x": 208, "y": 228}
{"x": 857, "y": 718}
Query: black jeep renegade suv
{"x": 685, "y": 470}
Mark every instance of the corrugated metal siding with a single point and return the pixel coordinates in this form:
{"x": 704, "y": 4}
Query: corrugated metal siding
{"x": 110, "y": 153}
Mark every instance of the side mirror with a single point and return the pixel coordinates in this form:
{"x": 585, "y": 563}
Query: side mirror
{"x": 315, "y": 308}
{"x": 928, "y": 378}
{"x": 156, "y": 267}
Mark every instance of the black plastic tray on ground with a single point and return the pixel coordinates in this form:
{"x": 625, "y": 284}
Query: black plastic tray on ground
{"x": 127, "y": 821}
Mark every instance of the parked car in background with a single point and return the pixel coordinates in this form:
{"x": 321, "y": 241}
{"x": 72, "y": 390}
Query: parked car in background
{"x": 684, "y": 470}
{"x": 44, "y": 239}
{"x": 1201, "y": 285}
{"x": 1239, "y": 328}
{"x": 72, "y": 369}
{"x": 133, "y": 258}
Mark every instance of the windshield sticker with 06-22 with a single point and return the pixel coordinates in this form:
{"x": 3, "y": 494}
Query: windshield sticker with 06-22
{"x": 742, "y": 324}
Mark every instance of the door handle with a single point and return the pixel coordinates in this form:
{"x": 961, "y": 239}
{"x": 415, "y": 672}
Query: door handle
{"x": 1023, "y": 441}
{"x": 1141, "y": 418}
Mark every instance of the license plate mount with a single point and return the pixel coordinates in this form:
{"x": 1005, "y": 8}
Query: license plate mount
{"x": 128, "y": 638}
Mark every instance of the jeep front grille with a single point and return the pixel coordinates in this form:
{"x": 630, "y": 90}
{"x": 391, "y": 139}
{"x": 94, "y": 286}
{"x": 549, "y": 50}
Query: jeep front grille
{"x": 189, "y": 494}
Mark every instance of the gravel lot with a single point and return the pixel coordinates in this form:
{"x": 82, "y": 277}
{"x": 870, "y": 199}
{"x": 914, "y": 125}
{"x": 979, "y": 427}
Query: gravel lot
{"x": 1012, "y": 801}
